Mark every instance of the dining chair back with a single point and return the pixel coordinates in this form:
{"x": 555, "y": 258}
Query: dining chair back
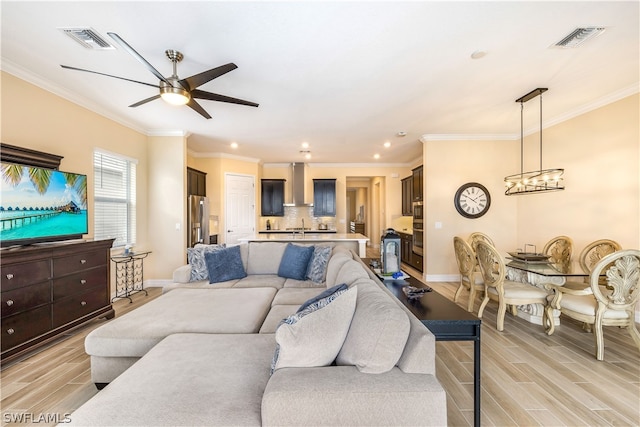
{"x": 610, "y": 305}
{"x": 595, "y": 251}
{"x": 470, "y": 277}
{"x": 559, "y": 249}
{"x": 496, "y": 287}
{"x": 476, "y": 237}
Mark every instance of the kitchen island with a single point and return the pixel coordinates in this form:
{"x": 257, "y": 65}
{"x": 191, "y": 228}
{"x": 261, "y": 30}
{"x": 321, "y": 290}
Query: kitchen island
{"x": 354, "y": 241}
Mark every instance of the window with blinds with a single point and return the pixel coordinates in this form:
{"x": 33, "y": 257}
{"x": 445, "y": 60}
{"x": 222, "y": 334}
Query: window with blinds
{"x": 114, "y": 198}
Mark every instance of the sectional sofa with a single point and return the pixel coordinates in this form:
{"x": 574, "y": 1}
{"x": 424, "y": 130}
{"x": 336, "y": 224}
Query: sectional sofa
{"x": 286, "y": 335}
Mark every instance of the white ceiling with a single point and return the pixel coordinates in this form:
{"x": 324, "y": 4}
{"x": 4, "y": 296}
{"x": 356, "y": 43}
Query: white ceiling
{"x": 343, "y": 76}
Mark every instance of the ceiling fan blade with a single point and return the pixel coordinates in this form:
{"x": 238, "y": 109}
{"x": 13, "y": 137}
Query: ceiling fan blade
{"x": 198, "y": 80}
{"x": 198, "y": 108}
{"x": 144, "y": 101}
{"x": 200, "y": 94}
{"x": 108, "y": 75}
{"x": 139, "y": 57}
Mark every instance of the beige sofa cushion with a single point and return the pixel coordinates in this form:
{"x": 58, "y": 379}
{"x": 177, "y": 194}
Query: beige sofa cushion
{"x": 316, "y": 336}
{"x": 265, "y": 257}
{"x": 338, "y": 258}
{"x": 350, "y": 272}
{"x": 378, "y": 333}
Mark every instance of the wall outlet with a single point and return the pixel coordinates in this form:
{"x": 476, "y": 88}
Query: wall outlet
{"x": 438, "y": 225}
{"x": 177, "y": 226}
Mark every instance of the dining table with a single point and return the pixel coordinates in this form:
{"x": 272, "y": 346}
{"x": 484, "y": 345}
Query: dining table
{"x": 539, "y": 274}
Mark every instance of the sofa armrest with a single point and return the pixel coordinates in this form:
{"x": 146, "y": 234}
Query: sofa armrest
{"x": 182, "y": 274}
{"x": 342, "y": 395}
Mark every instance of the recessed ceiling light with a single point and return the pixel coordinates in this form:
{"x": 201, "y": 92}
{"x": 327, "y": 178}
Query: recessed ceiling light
{"x": 376, "y": 156}
{"x": 401, "y": 134}
{"x": 478, "y": 54}
{"x": 305, "y": 145}
{"x": 387, "y": 144}
{"x": 234, "y": 145}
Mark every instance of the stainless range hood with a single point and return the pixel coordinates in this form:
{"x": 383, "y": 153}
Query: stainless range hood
{"x": 298, "y": 185}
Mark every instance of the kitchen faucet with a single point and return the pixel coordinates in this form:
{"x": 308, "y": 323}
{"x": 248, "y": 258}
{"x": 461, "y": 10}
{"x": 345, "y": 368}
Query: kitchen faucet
{"x": 303, "y": 228}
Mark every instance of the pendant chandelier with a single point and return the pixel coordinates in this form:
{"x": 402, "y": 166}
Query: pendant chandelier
{"x": 538, "y": 181}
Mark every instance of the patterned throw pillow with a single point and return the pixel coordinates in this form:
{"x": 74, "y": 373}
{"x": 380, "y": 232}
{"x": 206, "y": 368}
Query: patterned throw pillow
{"x": 317, "y": 271}
{"x": 314, "y": 336}
{"x": 195, "y": 258}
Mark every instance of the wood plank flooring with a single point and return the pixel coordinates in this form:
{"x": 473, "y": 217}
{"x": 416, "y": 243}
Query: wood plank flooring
{"x": 528, "y": 378}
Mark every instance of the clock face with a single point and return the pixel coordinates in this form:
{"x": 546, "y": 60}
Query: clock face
{"x": 472, "y": 200}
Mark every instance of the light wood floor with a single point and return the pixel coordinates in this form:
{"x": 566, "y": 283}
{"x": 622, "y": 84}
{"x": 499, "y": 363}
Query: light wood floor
{"x": 528, "y": 378}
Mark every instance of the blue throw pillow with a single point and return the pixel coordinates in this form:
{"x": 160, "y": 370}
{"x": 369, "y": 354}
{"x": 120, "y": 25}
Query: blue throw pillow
{"x": 317, "y": 270}
{"x": 336, "y": 290}
{"x": 225, "y": 264}
{"x": 295, "y": 262}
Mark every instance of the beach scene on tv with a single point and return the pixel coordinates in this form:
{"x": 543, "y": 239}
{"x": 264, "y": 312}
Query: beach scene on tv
{"x": 41, "y": 203}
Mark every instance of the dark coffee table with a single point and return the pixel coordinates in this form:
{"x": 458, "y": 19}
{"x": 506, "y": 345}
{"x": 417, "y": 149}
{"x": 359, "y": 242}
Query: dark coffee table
{"x": 446, "y": 320}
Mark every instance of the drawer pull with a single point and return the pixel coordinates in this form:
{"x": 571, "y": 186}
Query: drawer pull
{"x": 83, "y": 303}
{"x": 82, "y": 281}
{"x": 10, "y": 302}
{"x": 83, "y": 261}
{"x": 9, "y": 276}
{"x": 10, "y": 331}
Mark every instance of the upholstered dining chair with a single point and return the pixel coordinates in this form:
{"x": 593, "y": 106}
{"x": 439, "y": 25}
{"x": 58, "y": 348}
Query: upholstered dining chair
{"x": 470, "y": 277}
{"x": 610, "y": 305}
{"x": 559, "y": 249}
{"x": 476, "y": 237}
{"x": 498, "y": 288}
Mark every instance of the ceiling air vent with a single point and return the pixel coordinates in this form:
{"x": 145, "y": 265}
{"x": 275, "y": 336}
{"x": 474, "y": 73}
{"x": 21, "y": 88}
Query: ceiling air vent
{"x": 88, "y": 38}
{"x": 579, "y": 36}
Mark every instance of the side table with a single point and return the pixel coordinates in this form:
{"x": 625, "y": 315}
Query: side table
{"x": 129, "y": 274}
{"x": 447, "y": 322}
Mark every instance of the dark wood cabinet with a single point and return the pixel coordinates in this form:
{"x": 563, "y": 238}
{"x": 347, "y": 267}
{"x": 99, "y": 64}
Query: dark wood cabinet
{"x": 272, "y": 197}
{"x": 324, "y": 197}
{"x": 356, "y": 227}
{"x": 50, "y": 288}
{"x": 196, "y": 182}
{"x": 417, "y": 176}
{"x": 407, "y": 196}
{"x": 406, "y": 252}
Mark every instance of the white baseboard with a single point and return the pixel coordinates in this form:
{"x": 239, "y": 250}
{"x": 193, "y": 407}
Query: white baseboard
{"x": 441, "y": 277}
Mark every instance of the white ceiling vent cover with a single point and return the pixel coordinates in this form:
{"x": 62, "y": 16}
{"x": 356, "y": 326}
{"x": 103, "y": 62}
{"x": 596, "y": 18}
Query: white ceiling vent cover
{"x": 88, "y": 38}
{"x": 579, "y": 36}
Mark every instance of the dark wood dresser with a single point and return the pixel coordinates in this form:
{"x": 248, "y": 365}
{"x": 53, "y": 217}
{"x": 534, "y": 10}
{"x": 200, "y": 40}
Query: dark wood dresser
{"x": 50, "y": 288}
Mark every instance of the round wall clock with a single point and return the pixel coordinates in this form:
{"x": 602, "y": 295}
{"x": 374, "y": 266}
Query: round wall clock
{"x": 472, "y": 200}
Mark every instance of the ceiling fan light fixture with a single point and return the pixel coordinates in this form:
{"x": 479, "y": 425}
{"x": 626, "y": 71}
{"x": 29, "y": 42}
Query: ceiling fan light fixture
{"x": 174, "y": 95}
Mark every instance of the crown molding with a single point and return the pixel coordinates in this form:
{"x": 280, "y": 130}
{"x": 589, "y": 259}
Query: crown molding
{"x": 219, "y": 155}
{"x": 176, "y": 132}
{"x": 42, "y": 83}
{"x": 466, "y": 137}
{"x": 359, "y": 165}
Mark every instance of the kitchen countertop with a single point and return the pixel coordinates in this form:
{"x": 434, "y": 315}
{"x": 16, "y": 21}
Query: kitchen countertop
{"x": 312, "y": 236}
{"x": 296, "y": 231}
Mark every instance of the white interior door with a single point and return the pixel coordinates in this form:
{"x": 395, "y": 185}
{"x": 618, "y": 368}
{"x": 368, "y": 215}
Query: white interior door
{"x": 240, "y": 212}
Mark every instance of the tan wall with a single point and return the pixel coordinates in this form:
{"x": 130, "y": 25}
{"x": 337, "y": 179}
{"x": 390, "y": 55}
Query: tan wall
{"x": 36, "y": 119}
{"x": 600, "y": 152}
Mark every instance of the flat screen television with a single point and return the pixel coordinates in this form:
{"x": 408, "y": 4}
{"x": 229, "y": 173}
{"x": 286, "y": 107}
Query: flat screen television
{"x": 41, "y": 205}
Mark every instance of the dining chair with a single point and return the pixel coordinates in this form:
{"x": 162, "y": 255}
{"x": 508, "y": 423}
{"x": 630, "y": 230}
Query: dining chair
{"x": 559, "y": 249}
{"x": 498, "y": 288}
{"x": 610, "y": 305}
{"x": 470, "y": 277}
{"x": 595, "y": 251}
{"x": 476, "y": 237}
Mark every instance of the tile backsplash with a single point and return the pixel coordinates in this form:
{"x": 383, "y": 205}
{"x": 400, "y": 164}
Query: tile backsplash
{"x": 293, "y": 216}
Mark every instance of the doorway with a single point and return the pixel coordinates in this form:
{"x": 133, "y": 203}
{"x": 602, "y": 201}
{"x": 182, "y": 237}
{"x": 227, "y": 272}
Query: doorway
{"x": 366, "y": 206}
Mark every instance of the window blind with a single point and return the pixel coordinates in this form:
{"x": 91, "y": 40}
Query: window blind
{"x": 114, "y": 198}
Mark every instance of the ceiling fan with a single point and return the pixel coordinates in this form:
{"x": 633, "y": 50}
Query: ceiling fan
{"x": 172, "y": 89}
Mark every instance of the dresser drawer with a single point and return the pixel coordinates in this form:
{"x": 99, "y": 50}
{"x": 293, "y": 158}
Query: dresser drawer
{"x": 18, "y": 275}
{"x": 74, "y": 307}
{"x": 79, "y": 282}
{"x": 78, "y": 262}
{"x": 26, "y": 298}
{"x": 25, "y": 326}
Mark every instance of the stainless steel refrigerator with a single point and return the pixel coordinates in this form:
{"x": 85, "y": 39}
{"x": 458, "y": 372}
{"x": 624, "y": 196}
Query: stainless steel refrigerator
{"x": 197, "y": 220}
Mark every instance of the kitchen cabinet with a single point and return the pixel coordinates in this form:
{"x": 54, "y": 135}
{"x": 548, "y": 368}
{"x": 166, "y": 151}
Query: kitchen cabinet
{"x": 407, "y": 196}
{"x": 196, "y": 182}
{"x": 356, "y": 227}
{"x": 324, "y": 197}
{"x": 272, "y": 197}
{"x": 417, "y": 176}
{"x": 49, "y": 289}
{"x": 406, "y": 251}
